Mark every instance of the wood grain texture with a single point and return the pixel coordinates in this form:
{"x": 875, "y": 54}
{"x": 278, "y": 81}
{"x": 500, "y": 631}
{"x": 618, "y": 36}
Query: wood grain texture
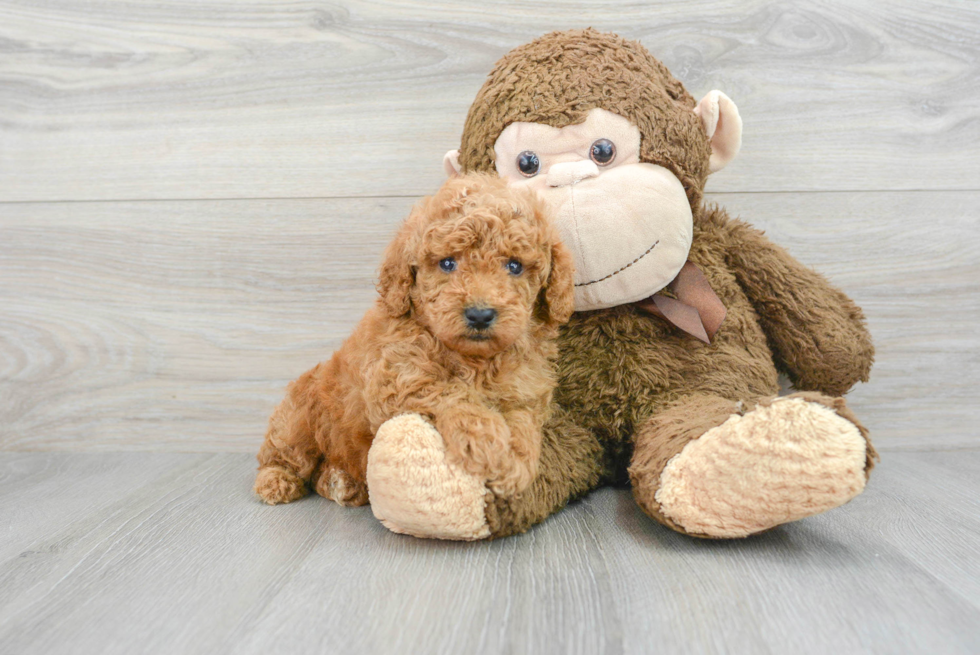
{"x": 176, "y": 325}
{"x": 188, "y": 561}
{"x": 159, "y": 324}
{"x": 254, "y": 99}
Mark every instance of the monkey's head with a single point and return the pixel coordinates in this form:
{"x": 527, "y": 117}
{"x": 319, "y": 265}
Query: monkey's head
{"x": 615, "y": 145}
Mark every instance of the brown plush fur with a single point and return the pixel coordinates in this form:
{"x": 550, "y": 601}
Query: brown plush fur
{"x": 557, "y": 79}
{"x": 621, "y": 371}
{"x": 487, "y": 392}
{"x": 571, "y": 465}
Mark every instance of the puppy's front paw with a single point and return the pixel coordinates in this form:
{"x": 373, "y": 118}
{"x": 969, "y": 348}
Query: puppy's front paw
{"x": 475, "y": 437}
{"x": 482, "y": 443}
{"x": 515, "y": 478}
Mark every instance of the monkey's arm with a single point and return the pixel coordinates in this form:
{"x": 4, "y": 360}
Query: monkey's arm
{"x": 818, "y": 335}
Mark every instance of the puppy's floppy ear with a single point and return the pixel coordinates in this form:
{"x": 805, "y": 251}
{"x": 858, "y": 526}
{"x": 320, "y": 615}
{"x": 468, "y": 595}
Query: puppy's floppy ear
{"x": 558, "y": 294}
{"x": 397, "y": 273}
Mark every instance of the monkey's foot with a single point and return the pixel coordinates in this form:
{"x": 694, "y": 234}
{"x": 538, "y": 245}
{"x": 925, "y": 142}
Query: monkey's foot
{"x": 777, "y": 463}
{"x": 413, "y": 488}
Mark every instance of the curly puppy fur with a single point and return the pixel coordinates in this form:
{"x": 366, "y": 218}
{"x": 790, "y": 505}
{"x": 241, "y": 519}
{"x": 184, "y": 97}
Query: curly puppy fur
{"x": 487, "y": 391}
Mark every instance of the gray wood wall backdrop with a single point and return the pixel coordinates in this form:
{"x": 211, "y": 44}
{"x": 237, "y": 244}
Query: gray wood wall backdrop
{"x": 194, "y": 194}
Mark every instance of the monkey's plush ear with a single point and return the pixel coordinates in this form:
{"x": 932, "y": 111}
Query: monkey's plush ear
{"x": 397, "y": 274}
{"x": 724, "y": 127}
{"x": 559, "y": 290}
{"x": 451, "y": 163}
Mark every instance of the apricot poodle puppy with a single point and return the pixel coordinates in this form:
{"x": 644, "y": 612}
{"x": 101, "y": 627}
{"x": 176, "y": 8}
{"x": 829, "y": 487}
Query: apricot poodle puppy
{"x": 472, "y": 292}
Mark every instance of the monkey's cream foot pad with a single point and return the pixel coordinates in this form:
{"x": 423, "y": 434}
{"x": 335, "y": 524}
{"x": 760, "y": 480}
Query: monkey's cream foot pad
{"x": 414, "y": 490}
{"x": 773, "y": 465}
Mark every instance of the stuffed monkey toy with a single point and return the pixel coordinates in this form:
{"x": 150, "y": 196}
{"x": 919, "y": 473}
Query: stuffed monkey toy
{"x": 684, "y": 317}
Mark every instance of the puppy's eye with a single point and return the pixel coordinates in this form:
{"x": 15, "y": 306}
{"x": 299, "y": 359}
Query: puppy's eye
{"x": 528, "y": 164}
{"x": 514, "y": 267}
{"x": 448, "y": 264}
{"x": 603, "y": 152}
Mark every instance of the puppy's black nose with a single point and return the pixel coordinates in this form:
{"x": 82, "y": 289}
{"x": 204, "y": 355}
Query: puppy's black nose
{"x": 479, "y": 318}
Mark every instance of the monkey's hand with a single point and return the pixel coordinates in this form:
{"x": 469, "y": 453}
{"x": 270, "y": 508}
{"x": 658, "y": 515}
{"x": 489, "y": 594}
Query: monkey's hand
{"x": 817, "y": 333}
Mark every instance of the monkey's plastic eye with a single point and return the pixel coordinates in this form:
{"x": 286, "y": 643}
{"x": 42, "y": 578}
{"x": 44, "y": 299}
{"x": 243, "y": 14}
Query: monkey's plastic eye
{"x": 514, "y": 267}
{"x": 528, "y": 164}
{"x": 603, "y": 152}
{"x": 448, "y": 264}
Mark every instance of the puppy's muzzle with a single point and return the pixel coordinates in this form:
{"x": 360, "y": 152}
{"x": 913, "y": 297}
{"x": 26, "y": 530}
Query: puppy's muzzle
{"x": 479, "y": 318}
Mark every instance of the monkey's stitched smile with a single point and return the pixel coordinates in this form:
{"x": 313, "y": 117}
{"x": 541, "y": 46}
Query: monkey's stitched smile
{"x": 620, "y": 270}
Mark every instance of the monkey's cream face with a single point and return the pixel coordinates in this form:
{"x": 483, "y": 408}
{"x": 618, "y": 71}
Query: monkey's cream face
{"x": 628, "y": 224}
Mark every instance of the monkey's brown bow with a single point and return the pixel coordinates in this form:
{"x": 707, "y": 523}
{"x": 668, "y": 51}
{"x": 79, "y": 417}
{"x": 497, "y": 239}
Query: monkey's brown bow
{"x": 696, "y": 310}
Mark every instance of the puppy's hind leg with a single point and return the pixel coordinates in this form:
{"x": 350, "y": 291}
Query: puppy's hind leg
{"x": 289, "y": 455}
{"x": 276, "y": 484}
{"x": 342, "y": 474}
{"x": 338, "y": 485}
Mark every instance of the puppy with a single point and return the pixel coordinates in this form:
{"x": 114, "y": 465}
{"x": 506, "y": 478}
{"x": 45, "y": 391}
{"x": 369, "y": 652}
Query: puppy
{"x": 472, "y": 292}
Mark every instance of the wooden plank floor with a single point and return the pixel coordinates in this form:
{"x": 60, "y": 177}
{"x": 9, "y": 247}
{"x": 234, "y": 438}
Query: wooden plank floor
{"x": 169, "y": 553}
